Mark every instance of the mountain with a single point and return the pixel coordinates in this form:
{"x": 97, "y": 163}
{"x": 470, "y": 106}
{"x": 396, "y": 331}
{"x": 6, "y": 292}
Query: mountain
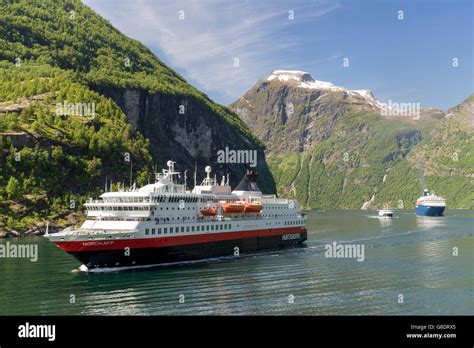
{"x": 78, "y": 99}
{"x": 332, "y": 147}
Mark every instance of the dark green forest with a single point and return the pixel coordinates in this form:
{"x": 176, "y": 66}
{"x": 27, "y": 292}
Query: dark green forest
{"x": 344, "y": 172}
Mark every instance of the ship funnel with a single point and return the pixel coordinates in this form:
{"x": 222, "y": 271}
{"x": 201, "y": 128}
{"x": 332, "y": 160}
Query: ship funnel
{"x": 248, "y": 184}
{"x": 426, "y": 192}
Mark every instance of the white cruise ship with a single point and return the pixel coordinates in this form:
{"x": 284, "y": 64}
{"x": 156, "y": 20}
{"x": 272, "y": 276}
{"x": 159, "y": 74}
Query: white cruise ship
{"x": 164, "y": 223}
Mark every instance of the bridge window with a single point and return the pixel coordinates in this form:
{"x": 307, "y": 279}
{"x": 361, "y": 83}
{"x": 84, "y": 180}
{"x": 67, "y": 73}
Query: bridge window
{"x": 147, "y": 231}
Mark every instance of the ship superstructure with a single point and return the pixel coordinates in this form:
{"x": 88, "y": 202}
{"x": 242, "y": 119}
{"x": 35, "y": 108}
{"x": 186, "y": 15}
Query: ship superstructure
{"x": 163, "y": 223}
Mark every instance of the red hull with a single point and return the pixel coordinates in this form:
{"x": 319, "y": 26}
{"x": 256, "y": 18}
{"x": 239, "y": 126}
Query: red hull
{"x": 107, "y": 244}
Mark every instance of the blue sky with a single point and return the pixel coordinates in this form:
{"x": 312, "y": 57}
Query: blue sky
{"x": 409, "y": 60}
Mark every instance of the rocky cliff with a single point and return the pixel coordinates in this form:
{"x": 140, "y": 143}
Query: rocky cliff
{"x": 187, "y": 130}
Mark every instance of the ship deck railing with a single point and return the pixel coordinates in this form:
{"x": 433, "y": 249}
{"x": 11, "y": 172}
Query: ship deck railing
{"x": 92, "y": 231}
{"x": 146, "y": 200}
{"x": 218, "y": 218}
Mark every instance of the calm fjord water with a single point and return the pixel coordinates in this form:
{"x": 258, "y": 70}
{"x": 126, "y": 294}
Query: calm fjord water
{"x": 409, "y": 255}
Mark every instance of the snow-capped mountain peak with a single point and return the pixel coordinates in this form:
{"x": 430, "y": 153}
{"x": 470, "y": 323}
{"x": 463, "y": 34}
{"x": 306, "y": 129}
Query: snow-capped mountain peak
{"x": 302, "y": 79}
{"x": 367, "y": 93}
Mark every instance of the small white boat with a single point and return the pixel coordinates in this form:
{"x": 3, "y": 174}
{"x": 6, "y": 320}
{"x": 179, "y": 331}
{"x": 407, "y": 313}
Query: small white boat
{"x": 386, "y": 213}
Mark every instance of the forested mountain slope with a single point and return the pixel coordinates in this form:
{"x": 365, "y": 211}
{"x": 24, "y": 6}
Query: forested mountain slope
{"x": 121, "y": 102}
{"x": 331, "y": 147}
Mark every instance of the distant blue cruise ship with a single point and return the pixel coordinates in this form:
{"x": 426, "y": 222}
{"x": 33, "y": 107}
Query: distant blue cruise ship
{"x": 430, "y": 205}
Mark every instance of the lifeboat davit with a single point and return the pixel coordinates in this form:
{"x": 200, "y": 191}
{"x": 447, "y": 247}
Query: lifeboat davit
{"x": 252, "y": 208}
{"x": 233, "y": 208}
{"x": 208, "y": 211}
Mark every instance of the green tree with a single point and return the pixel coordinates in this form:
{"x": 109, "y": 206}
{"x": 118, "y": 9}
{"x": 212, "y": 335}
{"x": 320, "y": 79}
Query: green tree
{"x": 10, "y": 222}
{"x": 13, "y": 189}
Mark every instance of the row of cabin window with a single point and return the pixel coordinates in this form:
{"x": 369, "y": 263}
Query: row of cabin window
{"x": 172, "y": 208}
{"x": 159, "y": 199}
{"x": 126, "y": 200}
{"x": 201, "y": 228}
{"x": 118, "y": 208}
{"x": 278, "y": 215}
{"x": 184, "y": 199}
{"x": 291, "y": 223}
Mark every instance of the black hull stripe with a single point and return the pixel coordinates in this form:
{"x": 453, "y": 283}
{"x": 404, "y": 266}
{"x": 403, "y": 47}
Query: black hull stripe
{"x": 180, "y": 253}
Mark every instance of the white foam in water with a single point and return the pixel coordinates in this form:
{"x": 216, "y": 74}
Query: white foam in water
{"x": 84, "y": 268}
{"x": 380, "y": 217}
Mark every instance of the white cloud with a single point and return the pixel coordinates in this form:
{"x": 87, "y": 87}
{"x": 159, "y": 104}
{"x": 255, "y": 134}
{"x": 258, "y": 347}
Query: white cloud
{"x": 203, "y": 45}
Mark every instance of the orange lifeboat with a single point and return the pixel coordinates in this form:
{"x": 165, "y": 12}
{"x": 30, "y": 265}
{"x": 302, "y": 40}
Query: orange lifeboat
{"x": 233, "y": 208}
{"x": 208, "y": 211}
{"x": 253, "y": 208}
